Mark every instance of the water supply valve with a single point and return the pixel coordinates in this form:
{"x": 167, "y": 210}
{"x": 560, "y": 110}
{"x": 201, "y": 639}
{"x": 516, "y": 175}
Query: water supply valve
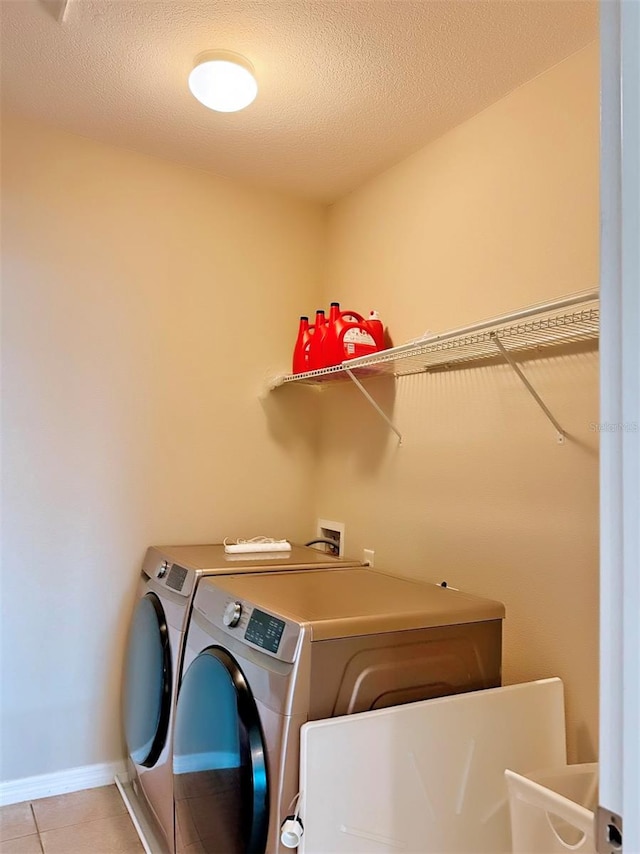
{"x": 291, "y": 831}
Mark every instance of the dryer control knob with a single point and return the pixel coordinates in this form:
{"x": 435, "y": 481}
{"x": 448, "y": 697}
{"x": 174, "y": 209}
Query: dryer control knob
{"x": 163, "y": 570}
{"x": 232, "y": 614}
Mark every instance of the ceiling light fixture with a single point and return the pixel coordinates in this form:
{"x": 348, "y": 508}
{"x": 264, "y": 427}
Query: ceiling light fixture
{"x": 223, "y": 81}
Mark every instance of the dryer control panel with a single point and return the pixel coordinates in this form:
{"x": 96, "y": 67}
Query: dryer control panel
{"x": 270, "y": 633}
{"x": 172, "y": 576}
{"x": 264, "y": 630}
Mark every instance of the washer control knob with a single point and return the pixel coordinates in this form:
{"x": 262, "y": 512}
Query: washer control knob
{"x": 232, "y": 614}
{"x": 163, "y": 570}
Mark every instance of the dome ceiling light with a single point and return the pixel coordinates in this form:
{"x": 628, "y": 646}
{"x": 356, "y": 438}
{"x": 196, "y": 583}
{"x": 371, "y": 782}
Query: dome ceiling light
{"x": 223, "y": 81}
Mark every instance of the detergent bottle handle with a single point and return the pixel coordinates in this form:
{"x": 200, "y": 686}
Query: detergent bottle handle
{"x": 355, "y": 317}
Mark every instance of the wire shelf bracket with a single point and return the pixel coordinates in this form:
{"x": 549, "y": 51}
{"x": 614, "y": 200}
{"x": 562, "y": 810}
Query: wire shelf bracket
{"x": 534, "y": 394}
{"x": 374, "y": 403}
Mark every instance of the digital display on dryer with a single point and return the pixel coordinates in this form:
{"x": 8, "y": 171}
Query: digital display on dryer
{"x": 264, "y": 630}
{"x": 176, "y": 577}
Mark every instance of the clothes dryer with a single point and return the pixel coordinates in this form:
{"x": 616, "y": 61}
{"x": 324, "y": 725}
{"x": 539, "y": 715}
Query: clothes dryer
{"x": 266, "y": 653}
{"x": 169, "y": 580}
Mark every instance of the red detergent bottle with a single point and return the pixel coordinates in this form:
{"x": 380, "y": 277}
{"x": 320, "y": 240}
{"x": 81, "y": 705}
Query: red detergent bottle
{"x": 316, "y": 350}
{"x": 300, "y": 354}
{"x": 376, "y": 327}
{"x": 348, "y": 336}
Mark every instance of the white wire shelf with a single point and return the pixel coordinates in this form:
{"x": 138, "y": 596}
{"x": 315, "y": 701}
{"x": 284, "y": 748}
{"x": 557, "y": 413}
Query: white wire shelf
{"x": 568, "y": 321}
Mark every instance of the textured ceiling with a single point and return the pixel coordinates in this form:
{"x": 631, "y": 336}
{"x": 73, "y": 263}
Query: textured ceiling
{"x": 347, "y": 87}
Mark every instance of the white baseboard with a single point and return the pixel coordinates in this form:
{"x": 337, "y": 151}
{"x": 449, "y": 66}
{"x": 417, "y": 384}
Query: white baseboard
{"x": 61, "y": 782}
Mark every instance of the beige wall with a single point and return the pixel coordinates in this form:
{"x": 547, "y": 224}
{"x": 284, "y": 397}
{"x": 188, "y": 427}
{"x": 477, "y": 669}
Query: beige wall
{"x": 499, "y": 213}
{"x": 144, "y": 304}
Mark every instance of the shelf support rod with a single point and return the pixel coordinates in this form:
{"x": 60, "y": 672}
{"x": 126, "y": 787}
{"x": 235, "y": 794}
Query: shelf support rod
{"x": 543, "y": 406}
{"x": 375, "y": 405}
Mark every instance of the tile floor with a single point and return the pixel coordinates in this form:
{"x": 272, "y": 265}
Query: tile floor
{"x": 94, "y": 821}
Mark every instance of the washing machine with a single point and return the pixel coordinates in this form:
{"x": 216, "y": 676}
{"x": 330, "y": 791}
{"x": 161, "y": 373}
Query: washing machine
{"x": 169, "y": 580}
{"x": 266, "y": 653}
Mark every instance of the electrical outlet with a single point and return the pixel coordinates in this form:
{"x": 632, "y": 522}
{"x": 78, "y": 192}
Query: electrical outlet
{"x": 333, "y": 531}
{"x": 368, "y": 556}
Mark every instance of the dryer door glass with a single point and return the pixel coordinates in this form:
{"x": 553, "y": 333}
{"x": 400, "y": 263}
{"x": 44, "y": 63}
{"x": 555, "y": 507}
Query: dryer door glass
{"x": 147, "y": 682}
{"x": 220, "y": 780}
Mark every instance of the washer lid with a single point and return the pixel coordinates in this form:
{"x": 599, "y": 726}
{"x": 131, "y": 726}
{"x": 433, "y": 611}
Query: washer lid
{"x": 350, "y": 602}
{"x": 213, "y": 559}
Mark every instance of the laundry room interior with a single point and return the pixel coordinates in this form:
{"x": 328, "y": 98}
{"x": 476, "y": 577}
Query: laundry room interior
{"x": 437, "y": 162}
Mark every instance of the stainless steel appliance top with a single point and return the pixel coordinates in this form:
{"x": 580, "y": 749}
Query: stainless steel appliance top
{"x": 348, "y": 602}
{"x": 213, "y": 558}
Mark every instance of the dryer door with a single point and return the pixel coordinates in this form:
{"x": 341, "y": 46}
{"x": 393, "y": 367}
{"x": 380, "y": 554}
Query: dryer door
{"x": 219, "y": 763}
{"x": 147, "y": 682}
